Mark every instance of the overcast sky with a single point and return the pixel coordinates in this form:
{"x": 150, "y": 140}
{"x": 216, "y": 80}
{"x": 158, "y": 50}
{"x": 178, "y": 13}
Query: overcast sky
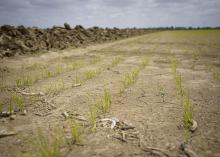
{"x": 110, "y": 13}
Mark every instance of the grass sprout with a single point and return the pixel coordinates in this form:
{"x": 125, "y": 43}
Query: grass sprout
{"x": 43, "y": 146}
{"x": 162, "y": 93}
{"x": 76, "y": 81}
{"x": 47, "y": 73}
{"x": 105, "y": 103}
{"x": 144, "y": 62}
{"x": 92, "y": 117}
{"x": 76, "y": 132}
{"x": 19, "y": 101}
{"x": 24, "y": 81}
{"x": 174, "y": 64}
{"x": 32, "y": 66}
{"x": 55, "y": 88}
{"x": 76, "y": 64}
{"x": 188, "y": 111}
{"x": 59, "y": 70}
{"x": 216, "y": 75}
{"x": 178, "y": 79}
{"x": 116, "y": 61}
{"x": 187, "y": 106}
{"x": 90, "y": 74}
{"x": 10, "y": 107}
{"x": 129, "y": 79}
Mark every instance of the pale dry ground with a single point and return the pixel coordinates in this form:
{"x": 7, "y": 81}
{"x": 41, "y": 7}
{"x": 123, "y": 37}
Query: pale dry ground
{"x": 159, "y": 123}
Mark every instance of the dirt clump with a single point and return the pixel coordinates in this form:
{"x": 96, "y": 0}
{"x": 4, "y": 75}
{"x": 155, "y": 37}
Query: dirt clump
{"x": 24, "y": 40}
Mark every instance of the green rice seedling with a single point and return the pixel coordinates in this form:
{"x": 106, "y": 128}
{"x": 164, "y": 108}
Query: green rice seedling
{"x": 58, "y": 70}
{"x": 209, "y": 68}
{"x": 129, "y": 78}
{"x": 216, "y": 75}
{"x": 187, "y": 106}
{"x": 92, "y": 117}
{"x": 105, "y": 103}
{"x": 116, "y": 61}
{"x": 10, "y": 107}
{"x": 76, "y": 65}
{"x": 76, "y": 132}
{"x": 162, "y": 93}
{"x": 188, "y": 113}
{"x": 45, "y": 146}
{"x": 134, "y": 74}
{"x": 47, "y": 73}
{"x": 174, "y": 64}
{"x": 24, "y": 81}
{"x": 90, "y": 74}
{"x": 55, "y": 88}
{"x": 77, "y": 81}
{"x": 19, "y": 101}
{"x": 178, "y": 79}
{"x": 144, "y": 62}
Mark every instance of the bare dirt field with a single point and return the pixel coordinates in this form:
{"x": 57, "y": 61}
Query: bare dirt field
{"x": 151, "y": 95}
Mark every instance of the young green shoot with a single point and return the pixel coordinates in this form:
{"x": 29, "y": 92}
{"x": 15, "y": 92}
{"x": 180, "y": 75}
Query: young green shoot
{"x": 216, "y": 75}
{"x": 116, "y": 61}
{"x": 188, "y": 113}
{"x": 90, "y": 74}
{"x": 162, "y": 93}
{"x": 144, "y": 62}
{"x": 77, "y": 81}
{"x": 45, "y": 146}
{"x": 55, "y": 88}
{"x": 187, "y": 106}
{"x": 105, "y": 103}
{"x": 76, "y": 64}
{"x": 19, "y": 101}
{"x": 92, "y": 117}
{"x": 59, "y": 70}
{"x": 178, "y": 79}
{"x": 129, "y": 79}
{"x": 24, "y": 81}
{"x": 76, "y": 132}
{"x": 11, "y": 107}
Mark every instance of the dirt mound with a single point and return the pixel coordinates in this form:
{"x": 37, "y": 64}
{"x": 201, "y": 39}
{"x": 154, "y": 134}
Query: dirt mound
{"x": 22, "y": 40}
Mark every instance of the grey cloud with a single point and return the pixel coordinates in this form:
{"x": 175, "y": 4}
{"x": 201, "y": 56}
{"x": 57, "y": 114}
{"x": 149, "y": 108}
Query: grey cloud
{"x": 119, "y": 3}
{"x": 53, "y": 4}
{"x": 14, "y": 4}
{"x": 110, "y": 13}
